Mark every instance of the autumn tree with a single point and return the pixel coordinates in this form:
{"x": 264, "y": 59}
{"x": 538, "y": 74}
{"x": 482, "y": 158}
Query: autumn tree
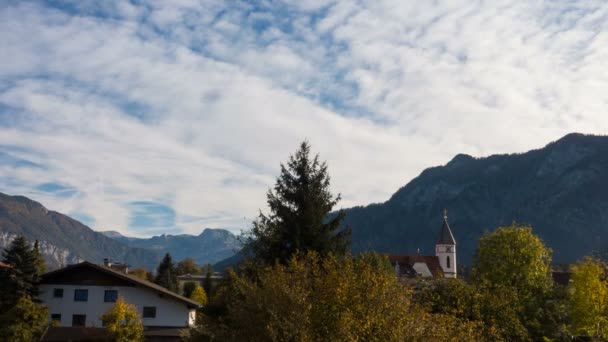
{"x": 187, "y": 266}
{"x": 515, "y": 262}
{"x": 588, "y": 304}
{"x": 122, "y": 322}
{"x": 25, "y": 321}
{"x": 327, "y": 298}
{"x": 198, "y": 295}
{"x": 139, "y": 272}
{"x": 299, "y": 219}
{"x": 165, "y": 274}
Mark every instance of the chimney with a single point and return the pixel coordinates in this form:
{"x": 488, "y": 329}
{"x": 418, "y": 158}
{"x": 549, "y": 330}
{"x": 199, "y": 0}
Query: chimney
{"x": 107, "y": 262}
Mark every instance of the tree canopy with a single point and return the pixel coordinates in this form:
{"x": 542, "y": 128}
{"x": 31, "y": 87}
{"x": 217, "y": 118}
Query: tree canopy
{"x": 166, "y": 275}
{"x": 299, "y": 220}
{"x": 26, "y": 267}
{"x": 588, "y": 302}
{"x": 123, "y": 323}
{"x": 187, "y": 266}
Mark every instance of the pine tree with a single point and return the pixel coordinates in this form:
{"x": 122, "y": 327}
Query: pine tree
{"x": 25, "y": 264}
{"x": 40, "y": 263}
{"x": 165, "y": 274}
{"x": 207, "y": 281}
{"x": 299, "y": 220}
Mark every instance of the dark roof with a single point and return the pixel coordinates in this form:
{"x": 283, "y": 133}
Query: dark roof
{"x": 55, "y": 334}
{"x": 445, "y": 236}
{"x": 561, "y": 278}
{"x": 406, "y": 262}
{"x": 75, "y": 334}
{"x": 126, "y": 277}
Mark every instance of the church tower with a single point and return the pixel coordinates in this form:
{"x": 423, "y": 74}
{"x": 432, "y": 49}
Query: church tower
{"x": 445, "y": 249}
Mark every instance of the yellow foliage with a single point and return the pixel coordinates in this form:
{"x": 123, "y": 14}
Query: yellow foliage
{"x": 332, "y": 299}
{"x": 589, "y": 299}
{"x": 123, "y": 323}
{"x": 199, "y": 295}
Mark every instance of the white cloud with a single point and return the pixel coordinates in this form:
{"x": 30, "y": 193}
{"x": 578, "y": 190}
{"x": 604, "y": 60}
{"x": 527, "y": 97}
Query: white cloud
{"x": 193, "y": 105}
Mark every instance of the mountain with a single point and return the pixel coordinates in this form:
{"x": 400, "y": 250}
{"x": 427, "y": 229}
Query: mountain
{"x": 211, "y": 246}
{"x": 62, "y": 239}
{"x": 561, "y": 190}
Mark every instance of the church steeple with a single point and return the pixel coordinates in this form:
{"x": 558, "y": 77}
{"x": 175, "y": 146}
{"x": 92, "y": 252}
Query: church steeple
{"x": 445, "y": 248}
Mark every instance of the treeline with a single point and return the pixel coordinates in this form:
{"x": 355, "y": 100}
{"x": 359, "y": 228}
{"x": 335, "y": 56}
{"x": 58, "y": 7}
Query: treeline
{"x": 299, "y": 283}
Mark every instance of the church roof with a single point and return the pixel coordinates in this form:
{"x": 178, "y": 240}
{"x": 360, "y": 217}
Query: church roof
{"x": 445, "y": 236}
{"x": 406, "y": 262}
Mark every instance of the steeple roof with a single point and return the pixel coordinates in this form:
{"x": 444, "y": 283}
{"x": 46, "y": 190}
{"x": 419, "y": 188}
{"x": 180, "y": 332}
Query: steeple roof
{"x": 445, "y": 236}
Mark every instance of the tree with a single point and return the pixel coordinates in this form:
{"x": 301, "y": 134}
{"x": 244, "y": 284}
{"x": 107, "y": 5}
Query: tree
{"x": 207, "y": 282}
{"x": 123, "y": 323}
{"x": 187, "y": 266}
{"x": 165, "y": 274}
{"x": 24, "y": 260}
{"x": 299, "y": 218}
{"x": 140, "y": 273}
{"x": 514, "y": 261}
{"x": 25, "y": 321}
{"x": 588, "y": 303}
{"x": 198, "y": 295}
{"x": 40, "y": 263}
{"x": 188, "y": 288}
{"x": 330, "y": 298}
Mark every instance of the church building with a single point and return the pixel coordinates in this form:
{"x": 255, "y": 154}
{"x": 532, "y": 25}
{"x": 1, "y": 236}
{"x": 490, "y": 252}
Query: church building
{"x": 442, "y": 264}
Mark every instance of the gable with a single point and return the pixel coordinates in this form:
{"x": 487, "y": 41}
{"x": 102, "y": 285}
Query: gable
{"x": 83, "y": 275}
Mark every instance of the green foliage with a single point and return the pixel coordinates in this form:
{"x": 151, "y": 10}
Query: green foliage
{"x": 187, "y": 266}
{"x": 123, "y": 323}
{"x": 512, "y": 271}
{"x": 198, "y": 295}
{"x": 39, "y": 259}
{"x": 588, "y": 304}
{"x": 314, "y": 298}
{"x": 23, "y": 279}
{"x": 188, "y": 288}
{"x": 165, "y": 274}
{"x": 299, "y": 207}
{"x": 26, "y": 321}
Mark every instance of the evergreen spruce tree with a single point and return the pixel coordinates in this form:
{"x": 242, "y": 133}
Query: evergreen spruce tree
{"x": 24, "y": 262}
{"x": 299, "y": 218}
{"x": 40, "y": 263}
{"x": 165, "y": 274}
{"x": 207, "y": 281}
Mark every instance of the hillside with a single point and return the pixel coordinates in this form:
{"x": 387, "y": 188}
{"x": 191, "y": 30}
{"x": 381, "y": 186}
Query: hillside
{"x": 63, "y": 240}
{"x": 561, "y": 190}
{"x": 211, "y": 246}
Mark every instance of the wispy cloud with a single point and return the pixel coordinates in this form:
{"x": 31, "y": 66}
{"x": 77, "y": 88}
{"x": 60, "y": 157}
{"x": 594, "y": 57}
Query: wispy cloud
{"x": 188, "y": 107}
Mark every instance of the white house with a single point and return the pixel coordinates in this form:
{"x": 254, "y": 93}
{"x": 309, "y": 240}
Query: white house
{"x": 78, "y": 295}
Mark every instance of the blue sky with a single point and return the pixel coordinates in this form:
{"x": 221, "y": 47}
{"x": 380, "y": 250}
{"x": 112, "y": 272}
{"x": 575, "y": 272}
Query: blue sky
{"x": 152, "y": 117}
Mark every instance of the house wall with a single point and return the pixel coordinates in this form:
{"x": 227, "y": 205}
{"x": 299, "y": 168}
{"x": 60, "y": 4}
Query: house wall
{"x": 169, "y": 312}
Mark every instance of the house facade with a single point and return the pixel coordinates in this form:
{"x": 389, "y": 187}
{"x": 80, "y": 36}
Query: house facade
{"x": 78, "y": 295}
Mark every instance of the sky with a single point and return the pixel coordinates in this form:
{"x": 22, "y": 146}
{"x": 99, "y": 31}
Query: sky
{"x": 151, "y": 117}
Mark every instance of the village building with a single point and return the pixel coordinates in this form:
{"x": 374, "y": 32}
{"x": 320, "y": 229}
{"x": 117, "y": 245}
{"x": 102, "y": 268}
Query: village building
{"x": 78, "y": 295}
{"x": 442, "y": 264}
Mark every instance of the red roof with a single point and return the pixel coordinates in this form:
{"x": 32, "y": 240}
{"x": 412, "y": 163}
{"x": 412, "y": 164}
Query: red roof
{"x": 5, "y": 265}
{"x": 431, "y": 261}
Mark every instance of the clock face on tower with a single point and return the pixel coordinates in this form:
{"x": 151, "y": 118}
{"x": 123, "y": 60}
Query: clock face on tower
{"x": 448, "y": 249}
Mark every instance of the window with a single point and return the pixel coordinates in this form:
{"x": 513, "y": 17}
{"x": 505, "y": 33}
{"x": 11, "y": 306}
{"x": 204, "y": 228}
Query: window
{"x": 79, "y": 320}
{"x": 448, "y": 261}
{"x": 58, "y": 293}
{"x": 110, "y": 296}
{"x": 149, "y": 311}
{"x": 56, "y": 317}
{"x": 81, "y": 295}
